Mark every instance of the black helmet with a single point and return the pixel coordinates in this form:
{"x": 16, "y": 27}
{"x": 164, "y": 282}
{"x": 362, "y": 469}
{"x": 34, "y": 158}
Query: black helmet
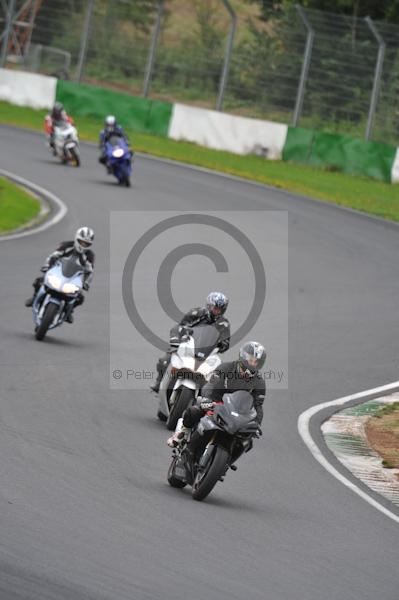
{"x": 57, "y": 111}
{"x": 216, "y": 304}
{"x": 251, "y": 358}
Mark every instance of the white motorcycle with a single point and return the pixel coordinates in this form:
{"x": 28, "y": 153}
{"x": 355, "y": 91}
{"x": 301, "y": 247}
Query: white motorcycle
{"x": 66, "y": 143}
{"x": 57, "y": 295}
{"x": 190, "y": 367}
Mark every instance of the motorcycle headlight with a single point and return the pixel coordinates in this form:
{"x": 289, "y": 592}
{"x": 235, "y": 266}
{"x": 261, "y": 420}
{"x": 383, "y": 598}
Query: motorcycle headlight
{"x": 54, "y": 281}
{"x": 118, "y": 153}
{"x": 70, "y": 288}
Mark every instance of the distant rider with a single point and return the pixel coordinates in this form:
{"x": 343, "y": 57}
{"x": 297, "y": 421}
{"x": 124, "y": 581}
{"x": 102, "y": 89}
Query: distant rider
{"x": 79, "y": 247}
{"x": 229, "y": 377}
{"x": 57, "y": 115}
{"x": 212, "y": 314}
{"x": 111, "y": 128}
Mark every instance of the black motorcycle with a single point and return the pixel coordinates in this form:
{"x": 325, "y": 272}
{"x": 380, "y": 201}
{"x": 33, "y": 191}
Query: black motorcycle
{"x": 222, "y": 435}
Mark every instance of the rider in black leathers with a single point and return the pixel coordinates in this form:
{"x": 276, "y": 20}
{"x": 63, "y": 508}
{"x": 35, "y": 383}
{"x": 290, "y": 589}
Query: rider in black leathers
{"x": 229, "y": 377}
{"x": 213, "y": 314}
{"x": 80, "y": 246}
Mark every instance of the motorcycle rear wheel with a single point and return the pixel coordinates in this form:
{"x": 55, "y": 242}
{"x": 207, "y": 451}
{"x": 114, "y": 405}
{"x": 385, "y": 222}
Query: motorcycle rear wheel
{"x": 48, "y": 317}
{"x": 206, "y": 480}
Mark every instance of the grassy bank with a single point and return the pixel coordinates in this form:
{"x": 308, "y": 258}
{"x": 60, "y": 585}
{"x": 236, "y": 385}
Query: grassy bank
{"x": 17, "y": 207}
{"x": 383, "y": 434}
{"x": 362, "y": 194}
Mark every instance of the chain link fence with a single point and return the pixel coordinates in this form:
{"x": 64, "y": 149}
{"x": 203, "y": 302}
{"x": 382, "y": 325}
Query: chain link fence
{"x": 304, "y": 67}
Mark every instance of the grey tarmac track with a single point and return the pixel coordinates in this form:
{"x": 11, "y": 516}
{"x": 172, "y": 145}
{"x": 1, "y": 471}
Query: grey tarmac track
{"x": 85, "y": 512}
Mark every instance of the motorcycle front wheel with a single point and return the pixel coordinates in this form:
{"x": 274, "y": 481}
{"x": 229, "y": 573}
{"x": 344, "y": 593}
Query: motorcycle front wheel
{"x": 184, "y": 399}
{"x": 172, "y": 480}
{"x": 48, "y": 317}
{"x": 206, "y": 479}
{"x": 75, "y": 157}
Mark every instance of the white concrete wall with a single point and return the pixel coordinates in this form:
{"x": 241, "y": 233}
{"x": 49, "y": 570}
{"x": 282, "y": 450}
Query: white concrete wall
{"x": 27, "y": 89}
{"x": 222, "y": 131}
{"x": 395, "y": 168}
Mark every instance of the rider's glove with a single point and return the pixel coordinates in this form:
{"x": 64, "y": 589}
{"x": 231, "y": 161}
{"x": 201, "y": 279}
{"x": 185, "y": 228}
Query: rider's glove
{"x": 174, "y": 341}
{"x": 86, "y": 286}
{"x": 206, "y": 405}
{"x": 185, "y": 330}
{"x": 258, "y": 432}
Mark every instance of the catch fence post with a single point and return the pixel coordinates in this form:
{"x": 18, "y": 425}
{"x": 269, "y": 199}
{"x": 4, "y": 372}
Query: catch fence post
{"x": 227, "y": 55}
{"x": 377, "y": 76}
{"x": 305, "y": 65}
{"x": 85, "y": 40}
{"x": 7, "y": 33}
{"x": 153, "y": 48}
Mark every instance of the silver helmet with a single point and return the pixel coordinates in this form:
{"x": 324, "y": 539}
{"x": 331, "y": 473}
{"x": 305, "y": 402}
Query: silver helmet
{"x": 84, "y": 238}
{"x": 216, "y": 304}
{"x": 110, "y": 122}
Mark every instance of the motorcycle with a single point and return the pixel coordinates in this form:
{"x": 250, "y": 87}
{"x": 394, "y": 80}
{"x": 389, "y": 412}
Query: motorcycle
{"x": 118, "y": 159}
{"x": 56, "y": 296}
{"x": 190, "y": 366}
{"x": 221, "y": 437}
{"x": 66, "y": 143}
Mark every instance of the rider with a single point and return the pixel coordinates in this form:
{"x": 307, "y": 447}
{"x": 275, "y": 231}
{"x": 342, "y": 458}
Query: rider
{"x": 212, "y": 314}
{"x": 57, "y": 115}
{"x": 241, "y": 374}
{"x": 79, "y": 247}
{"x": 111, "y": 128}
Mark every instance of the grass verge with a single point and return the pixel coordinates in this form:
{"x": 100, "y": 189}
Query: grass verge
{"x": 383, "y": 434}
{"x": 367, "y": 195}
{"x": 17, "y": 207}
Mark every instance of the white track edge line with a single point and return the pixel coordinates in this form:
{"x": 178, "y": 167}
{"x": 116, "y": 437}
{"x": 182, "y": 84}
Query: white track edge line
{"x": 60, "y": 214}
{"x": 304, "y": 432}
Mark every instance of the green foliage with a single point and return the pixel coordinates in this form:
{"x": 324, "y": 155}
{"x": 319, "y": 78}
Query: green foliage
{"x": 377, "y": 9}
{"x": 195, "y": 63}
{"x": 387, "y": 409}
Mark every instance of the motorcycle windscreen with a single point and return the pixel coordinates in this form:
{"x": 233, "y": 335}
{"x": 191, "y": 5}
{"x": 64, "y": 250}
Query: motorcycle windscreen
{"x": 71, "y": 266}
{"x": 237, "y": 411}
{"x": 206, "y": 338}
{"x": 115, "y": 140}
{"x": 62, "y": 125}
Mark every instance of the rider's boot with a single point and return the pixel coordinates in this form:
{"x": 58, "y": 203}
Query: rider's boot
{"x": 69, "y": 314}
{"x": 162, "y": 365}
{"x": 180, "y": 435}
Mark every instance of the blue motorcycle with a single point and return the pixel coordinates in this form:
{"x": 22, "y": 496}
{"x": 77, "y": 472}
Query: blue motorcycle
{"x": 55, "y": 298}
{"x": 118, "y": 159}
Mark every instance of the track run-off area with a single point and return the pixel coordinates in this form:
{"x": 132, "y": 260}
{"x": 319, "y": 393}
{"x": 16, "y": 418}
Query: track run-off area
{"x": 85, "y": 509}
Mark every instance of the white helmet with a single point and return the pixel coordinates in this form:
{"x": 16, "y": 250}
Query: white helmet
{"x": 84, "y": 238}
{"x": 110, "y": 122}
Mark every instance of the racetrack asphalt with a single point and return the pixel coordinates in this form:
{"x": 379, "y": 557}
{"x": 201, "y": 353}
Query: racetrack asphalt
{"x": 85, "y": 510}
